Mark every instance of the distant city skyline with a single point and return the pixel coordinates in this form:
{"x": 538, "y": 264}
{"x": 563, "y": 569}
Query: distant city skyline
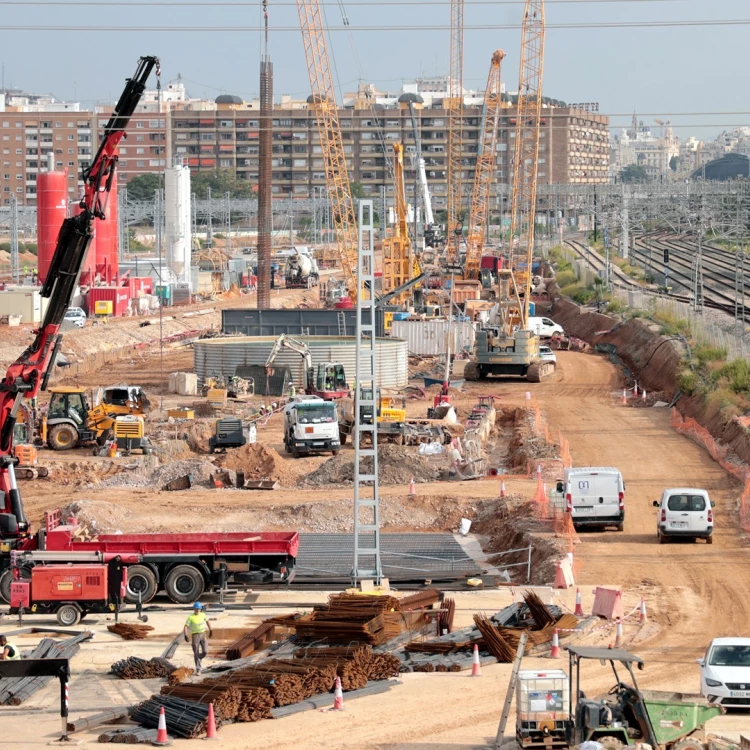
{"x": 661, "y": 71}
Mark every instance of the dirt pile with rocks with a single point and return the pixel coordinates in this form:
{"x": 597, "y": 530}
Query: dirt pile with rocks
{"x": 397, "y": 464}
{"x": 258, "y": 461}
{"x": 78, "y": 473}
{"x": 198, "y": 469}
{"x": 97, "y": 516}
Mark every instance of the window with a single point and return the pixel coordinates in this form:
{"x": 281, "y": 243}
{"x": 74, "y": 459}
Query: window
{"x": 140, "y": 138}
{"x": 20, "y": 164}
{"x": 71, "y": 137}
{"x": 140, "y": 124}
{"x": 6, "y": 137}
{"x": 140, "y": 151}
{"x": 686, "y": 503}
{"x": 58, "y": 137}
{"x": 123, "y": 162}
{"x": 140, "y": 163}
{"x": 6, "y": 124}
{"x": 225, "y": 162}
{"x": 71, "y": 164}
{"x": 20, "y": 176}
{"x": 19, "y": 151}
{"x": 6, "y": 176}
{"x": 225, "y": 123}
{"x": 58, "y": 124}
{"x": 123, "y": 150}
{"x": 71, "y": 124}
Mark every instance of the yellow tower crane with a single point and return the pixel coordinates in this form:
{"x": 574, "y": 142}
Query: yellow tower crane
{"x": 454, "y": 105}
{"x": 486, "y": 168}
{"x": 526, "y": 156}
{"x": 323, "y": 102}
{"x": 399, "y": 262}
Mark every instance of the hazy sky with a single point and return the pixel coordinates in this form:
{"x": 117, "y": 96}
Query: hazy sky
{"x": 659, "y": 72}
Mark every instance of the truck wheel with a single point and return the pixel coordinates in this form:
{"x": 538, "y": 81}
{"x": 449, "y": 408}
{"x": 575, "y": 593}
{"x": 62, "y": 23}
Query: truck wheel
{"x": 471, "y": 371}
{"x": 184, "y": 584}
{"x": 68, "y": 615}
{"x": 620, "y": 527}
{"x": 295, "y": 453}
{"x": 62, "y": 437}
{"x": 663, "y": 539}
{"x": 342, "y": 437}
{"x": 710, "y": 539}
{"x": 141, "y": 580}
{"x": 5, "y": 579}
{"x": 689, "y": 743}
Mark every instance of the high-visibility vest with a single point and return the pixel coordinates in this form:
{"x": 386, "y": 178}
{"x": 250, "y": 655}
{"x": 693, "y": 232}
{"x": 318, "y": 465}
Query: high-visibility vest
{"x": 16, "y": 653}
{"x": 197, "y": 623}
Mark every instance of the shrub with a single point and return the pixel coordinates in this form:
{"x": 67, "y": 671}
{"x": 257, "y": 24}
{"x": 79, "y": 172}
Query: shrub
{"x": 737, "y": 375}
{"x": 565, "y": 278}
{"x": 688, "y": 382}
{"x": 705, "y": 354}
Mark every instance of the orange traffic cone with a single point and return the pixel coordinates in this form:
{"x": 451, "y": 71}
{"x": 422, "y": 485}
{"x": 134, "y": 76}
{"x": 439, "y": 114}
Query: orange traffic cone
{"x": 618, "y": 635}
{"x": 476, "y": 669}
{"x": 338, "y": 696}
{"x": 643, "y": 395}
{"x": 624, "y": 397}
{"x": 635, "y": 389}
{"x": 412, "y": 488}
{"x": 503, "y": 492}
{"x": 211, "y": 724}
{"x": 643, "y": 617}
{"x": 162, "y": 738}
{"x": 579, "y": 604}
{"x": 555, "y": 652}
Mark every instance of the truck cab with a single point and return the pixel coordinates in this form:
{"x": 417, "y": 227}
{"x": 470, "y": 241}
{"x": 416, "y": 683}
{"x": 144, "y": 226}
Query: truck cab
{"x": 311, "y": 426}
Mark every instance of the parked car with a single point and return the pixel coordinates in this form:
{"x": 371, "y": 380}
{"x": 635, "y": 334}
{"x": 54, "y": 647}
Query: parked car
{"x": 685, "y": 512}
{"x": 544, "y": 327}
{"x": 594, "y": 496}
{"x": 547, "y": 354}
{"x": 75, "y": 316}
{"x": 725, "y": 672}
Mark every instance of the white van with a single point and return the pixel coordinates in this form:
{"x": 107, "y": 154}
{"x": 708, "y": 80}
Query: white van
{"x": 544, "y": 327}
{"x": 685, "y": 512}
{"x": 595, "y": 496}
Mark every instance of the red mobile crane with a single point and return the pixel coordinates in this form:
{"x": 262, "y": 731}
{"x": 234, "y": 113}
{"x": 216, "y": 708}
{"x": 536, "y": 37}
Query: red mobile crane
{"x": 185, "y": 565}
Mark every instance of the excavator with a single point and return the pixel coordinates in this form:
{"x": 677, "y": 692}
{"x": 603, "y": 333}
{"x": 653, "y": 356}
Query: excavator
{"x": 326, "y": 380}
{"x": 30, "y": 373}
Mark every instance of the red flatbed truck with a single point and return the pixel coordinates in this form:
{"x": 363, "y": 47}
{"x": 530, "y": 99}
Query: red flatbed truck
{"x": 184, "y": 565}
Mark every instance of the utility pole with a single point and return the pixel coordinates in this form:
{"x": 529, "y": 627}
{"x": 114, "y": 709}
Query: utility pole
{"x": 210, "y": 233}
{"x": 229, "y": 221}
{"x": 625, "y": 235}
{"x": 15, "y": 270}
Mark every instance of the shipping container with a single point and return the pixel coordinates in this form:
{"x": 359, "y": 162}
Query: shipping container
{"x": 23, "y": 301}
{"x": 118, "y": 295}
{"x": 429, "y": 338}
{"x": 139, "y": 285}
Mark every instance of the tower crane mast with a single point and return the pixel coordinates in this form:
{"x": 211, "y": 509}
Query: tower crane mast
{"x": 526, "y": 159}
{"x": 455, "y": 140}
{"x": 485, "y": 169}
{"x": 323, "y": 101}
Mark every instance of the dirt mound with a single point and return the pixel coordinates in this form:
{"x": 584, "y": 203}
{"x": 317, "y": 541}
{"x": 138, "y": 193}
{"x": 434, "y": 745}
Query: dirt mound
{"x": 198, "y": 433}
{"x": 156, "y": 478}
{"x": 97, "y": 516}
{"x": 67, "y": 473}
{"x": 396, "y": 465}
{"x": 258, "y": 461}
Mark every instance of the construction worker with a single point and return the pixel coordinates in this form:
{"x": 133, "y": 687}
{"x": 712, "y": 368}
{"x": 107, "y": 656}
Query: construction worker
{"x": 8, "y": 651}
{"x": 196, "y": 625}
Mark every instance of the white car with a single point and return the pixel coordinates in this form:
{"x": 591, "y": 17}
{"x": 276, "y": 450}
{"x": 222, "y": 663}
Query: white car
{"x": 685, "y": 512}
{"x": 725, "y": 672}
{"x": 547, "y": 354}
{"x": 75, "y": 316}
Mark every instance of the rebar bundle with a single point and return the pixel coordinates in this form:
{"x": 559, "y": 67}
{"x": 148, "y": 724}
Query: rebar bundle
{"x": 130, "y": 631}
{"x": 421, "y": 599}
{"x": 129, "y": 735}
{"x": 493, "y": 641}
{"x": 251, "y": 642}
{"x": 538, "y": 610}
{"x": 184, "y": 718}
{"x": 226, "y": 698}
{"x": 135, "y": 668}
{"x": 446, "y": 617}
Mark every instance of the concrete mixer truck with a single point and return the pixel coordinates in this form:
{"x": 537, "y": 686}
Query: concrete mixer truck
{"x": 301, "y": 271}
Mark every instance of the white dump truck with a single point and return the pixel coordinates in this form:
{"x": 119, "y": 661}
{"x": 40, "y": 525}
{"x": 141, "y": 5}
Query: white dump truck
{"x": 311, "y": 425}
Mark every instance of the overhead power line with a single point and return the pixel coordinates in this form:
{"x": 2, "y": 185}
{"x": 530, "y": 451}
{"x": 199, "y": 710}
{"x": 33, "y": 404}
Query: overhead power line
{"x": 366, "y": 3}
{"x": 441, "y": 28}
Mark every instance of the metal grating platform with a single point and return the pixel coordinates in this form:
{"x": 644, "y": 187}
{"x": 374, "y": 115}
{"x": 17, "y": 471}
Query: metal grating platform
{"x": 403, "y": 555}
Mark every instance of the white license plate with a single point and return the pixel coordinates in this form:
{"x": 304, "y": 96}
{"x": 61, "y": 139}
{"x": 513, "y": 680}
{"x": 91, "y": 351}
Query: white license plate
{"x": 739, "y": 693}
{"x": 318, "y": 444}
{"x": 678, "y": 524}
{"x": 583, "y": 509}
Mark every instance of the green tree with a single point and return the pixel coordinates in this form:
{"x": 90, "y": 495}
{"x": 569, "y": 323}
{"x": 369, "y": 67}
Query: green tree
{"x": 221, "y": 181}
{"x": 143, "y": 187}
{"x": 674, "y": 162}
{"x": 358, "y": 192}
{"x": 634, "y": 173}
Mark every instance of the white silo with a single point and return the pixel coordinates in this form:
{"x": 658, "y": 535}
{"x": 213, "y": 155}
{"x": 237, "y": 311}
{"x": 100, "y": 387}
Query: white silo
{"x": 178, "y": 221}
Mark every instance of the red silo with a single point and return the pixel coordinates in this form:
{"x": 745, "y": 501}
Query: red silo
{"x": 107, "y": 261}
{"x": 88, "y": 269}
{"x": 51, "y": 211}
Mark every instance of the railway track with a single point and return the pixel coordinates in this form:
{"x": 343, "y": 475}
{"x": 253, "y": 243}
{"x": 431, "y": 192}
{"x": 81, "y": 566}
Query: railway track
{"x": 680, "y": 270}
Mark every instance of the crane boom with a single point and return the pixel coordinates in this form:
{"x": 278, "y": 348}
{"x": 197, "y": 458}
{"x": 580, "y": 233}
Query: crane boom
{"x": 429, "y": 217}
{"x": 455, "y": 140}
{"x": 30, "y": 372}
{"x": 329, "y": 129}
{"x": 485, "y": 169}
{"x": 526, "y": 160}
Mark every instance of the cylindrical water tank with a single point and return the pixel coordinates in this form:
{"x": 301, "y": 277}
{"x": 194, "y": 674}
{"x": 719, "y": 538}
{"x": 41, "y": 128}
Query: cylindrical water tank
{"x": 51, "y": 211}
{"x": 107, "y": 263}
{"x": 178, "y": 227}
{"x": 223, "y": 356}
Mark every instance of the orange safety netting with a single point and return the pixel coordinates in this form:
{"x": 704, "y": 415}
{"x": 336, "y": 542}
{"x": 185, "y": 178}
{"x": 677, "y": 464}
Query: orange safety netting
{"x": 688, "y": 426}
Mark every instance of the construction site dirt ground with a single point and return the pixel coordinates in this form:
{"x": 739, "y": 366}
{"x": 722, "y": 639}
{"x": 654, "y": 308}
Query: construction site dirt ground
{"x": 694, "y": 592}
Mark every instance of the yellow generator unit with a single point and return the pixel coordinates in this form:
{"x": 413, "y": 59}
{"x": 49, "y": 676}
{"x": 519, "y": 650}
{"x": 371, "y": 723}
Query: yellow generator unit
{"x": 217, "y": 397}
{"x": 130, "y": 434}
{"x": 103, "y": 307}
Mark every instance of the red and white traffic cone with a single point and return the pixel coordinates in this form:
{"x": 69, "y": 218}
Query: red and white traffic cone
{"x": 528, "y": 395}
{"x": 643, "y": 395}
{"x": 211, "y": 724}
{"x": 618, "y": 635}
{"x": 412, "y": 488}
{"x": 162, "y": 738}
{"x": 503, "y": 492}
{"x": 555, "y": 652}
{"x": 635, "y": 389}
{"x": 643, "y": 616}
{"x": 338, "y": 696}
{"x": 624, "y": 397}
{"x": 579, "y": 604}
{"x": 476, "y": 668}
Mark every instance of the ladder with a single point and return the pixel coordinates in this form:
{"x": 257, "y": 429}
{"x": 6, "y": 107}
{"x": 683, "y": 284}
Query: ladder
{"x": 511, "y": 690}
{"x": 342, "y": 323}
{"x": 366, "y": 491}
